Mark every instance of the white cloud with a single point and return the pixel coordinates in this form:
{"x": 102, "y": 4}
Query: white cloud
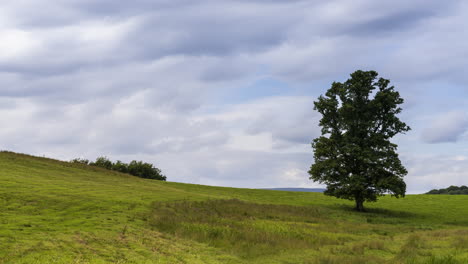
{"x": 447, "y": 127}
{"x": 428, "y": 172}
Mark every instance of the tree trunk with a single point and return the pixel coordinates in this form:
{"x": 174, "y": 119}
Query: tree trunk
{"x": 359, "y": 205}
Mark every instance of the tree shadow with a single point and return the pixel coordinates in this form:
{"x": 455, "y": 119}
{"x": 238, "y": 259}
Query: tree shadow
{"x": 377, "y": 212}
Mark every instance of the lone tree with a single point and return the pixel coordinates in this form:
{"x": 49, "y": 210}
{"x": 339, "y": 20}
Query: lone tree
{"x": 354, "y": 156}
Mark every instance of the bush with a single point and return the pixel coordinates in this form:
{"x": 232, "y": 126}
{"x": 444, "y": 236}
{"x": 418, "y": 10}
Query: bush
{"x": 80, "y": 161}
{"x": 136, "y": 168}
{"x": 145, "y": 170}
{"x": 102, "y": 162}
{"x": 120, "y": 167}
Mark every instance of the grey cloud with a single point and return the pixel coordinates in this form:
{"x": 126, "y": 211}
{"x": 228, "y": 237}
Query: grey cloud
{"x": 37, "y": 14}
{"x": 297, "y": 125}
{"x": 123, "y": 128}
{"x": 109, "y": 7}
{"x": 390, "y": 23}
{"x": 214, "y": 28}
{"x": 435, "y": 50}
{"x": 288, "y": 119}
{"x": 172, "y": 82}
{"x": 193, "y": 142}
{"x": 218, "y": 30}
{"x": 448, "y": 127}
{"x": 228, "y": 69}
{"x": 236, "y": 168}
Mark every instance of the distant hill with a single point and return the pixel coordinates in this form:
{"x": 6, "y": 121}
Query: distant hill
{"x": 319, "y": 190}
{"x": 452, "y": 190}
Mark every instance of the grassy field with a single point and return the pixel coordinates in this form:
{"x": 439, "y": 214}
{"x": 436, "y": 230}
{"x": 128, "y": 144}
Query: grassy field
{"x": 57, "y": 212}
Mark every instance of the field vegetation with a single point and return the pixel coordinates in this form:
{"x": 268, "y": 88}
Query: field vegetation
{"x": 61, "y": 212}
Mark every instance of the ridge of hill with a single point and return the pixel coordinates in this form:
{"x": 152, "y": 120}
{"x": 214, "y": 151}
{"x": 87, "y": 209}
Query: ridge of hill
{"x": 290, "y": 189}
{"x": 58, "y": 212}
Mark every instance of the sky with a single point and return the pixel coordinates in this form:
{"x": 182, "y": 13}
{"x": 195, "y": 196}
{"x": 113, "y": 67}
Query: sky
{"x": 221, "y": 92}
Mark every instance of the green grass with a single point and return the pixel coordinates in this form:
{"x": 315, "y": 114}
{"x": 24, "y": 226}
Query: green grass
{"x": 57, "y": 212}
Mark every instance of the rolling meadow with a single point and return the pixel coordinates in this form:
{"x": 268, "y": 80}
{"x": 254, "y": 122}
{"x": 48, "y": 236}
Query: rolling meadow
{"x": 58, "y": 212}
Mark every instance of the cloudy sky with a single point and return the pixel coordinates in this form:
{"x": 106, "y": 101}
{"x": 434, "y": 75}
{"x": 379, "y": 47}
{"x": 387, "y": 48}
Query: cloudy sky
{"x": 221, "y": 92}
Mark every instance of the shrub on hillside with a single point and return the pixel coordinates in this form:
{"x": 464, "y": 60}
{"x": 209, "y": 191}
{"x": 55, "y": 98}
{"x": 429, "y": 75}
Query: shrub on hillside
{"x": 102, "y": 162}
{"x": 136, "y": 168}
{"x": 120, "y": 167}
{"x": 145, "y": 170}
{"x": 80, "y": 161}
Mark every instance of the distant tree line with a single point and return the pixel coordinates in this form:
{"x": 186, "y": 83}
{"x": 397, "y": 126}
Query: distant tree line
{"x": 450, "y": 190}
{"x": 137, "y": 168}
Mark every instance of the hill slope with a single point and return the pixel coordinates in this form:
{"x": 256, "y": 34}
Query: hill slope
{"x": 57, "y": 212}
{"x": 297, "y": 189}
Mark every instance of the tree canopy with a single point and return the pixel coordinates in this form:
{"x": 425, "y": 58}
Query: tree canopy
{"x": 354, "y": 156}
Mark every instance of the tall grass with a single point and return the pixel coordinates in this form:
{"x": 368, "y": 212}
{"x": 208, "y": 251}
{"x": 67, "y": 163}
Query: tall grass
{"x": 254, "y": 231}
{"x": 246, "y": 229}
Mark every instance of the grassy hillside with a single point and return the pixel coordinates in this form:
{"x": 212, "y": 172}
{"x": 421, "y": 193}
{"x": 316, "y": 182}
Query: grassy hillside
{"x": 57, "y": 212}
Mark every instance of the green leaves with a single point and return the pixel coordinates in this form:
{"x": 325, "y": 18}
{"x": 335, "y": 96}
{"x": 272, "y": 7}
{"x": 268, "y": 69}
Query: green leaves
{"x": 354, "y": 156}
